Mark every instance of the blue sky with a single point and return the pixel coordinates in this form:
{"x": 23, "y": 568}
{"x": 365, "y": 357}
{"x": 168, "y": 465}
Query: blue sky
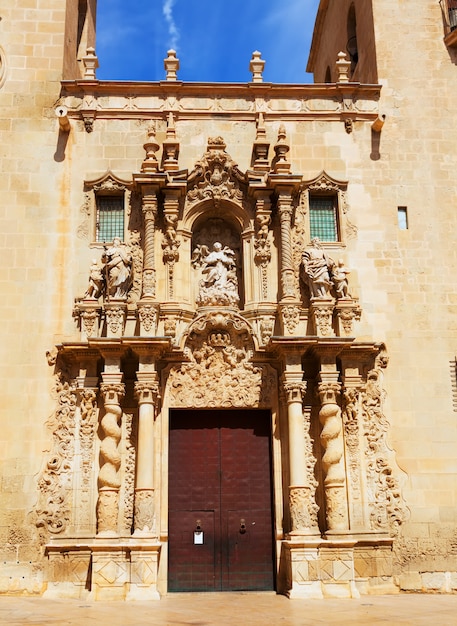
{"x": 214, "y": 40}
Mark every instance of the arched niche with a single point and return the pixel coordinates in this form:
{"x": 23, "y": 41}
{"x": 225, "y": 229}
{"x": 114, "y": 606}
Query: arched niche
{"x": 217, "y": 260}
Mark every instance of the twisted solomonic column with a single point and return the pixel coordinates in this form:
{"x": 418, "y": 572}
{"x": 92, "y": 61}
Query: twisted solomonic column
{"x": 332, "y": 461}
{"x": 147, "y": 392}
{"x": 109, "y": 481}
{"x": 302, "y": 488}
{"x": 149, "y": 272}
{"x": 287, "y": 272}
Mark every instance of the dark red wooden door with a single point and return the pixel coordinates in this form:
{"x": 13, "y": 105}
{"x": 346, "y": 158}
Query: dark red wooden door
{"x": 220, "y": 480}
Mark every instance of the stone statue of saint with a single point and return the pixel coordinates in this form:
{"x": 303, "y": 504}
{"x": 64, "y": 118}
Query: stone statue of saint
{"x": 317, "y": 267}
{"x": 340, "y": 281}
{"x": 96, "y": 282}
{"x": 118, "y": 269}
{"x": 219, "y": 284}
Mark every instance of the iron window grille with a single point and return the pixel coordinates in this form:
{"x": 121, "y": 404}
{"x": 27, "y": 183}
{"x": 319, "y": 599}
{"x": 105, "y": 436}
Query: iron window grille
{"x": 323, "y": 217}
{"x": 110, "y": 218}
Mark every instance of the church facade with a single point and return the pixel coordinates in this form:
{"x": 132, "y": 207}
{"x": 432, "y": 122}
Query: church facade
{"x": 229, "y": 315}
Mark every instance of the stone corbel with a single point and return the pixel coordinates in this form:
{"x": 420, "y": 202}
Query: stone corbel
{"x": 293, "y": 320}
{"x": 115, "y": 316}
{"x": 321, "y": 312}
{"x": 89, "y": 314}
{"x": 347, "y": 312}
{"x": 148, "y": 315}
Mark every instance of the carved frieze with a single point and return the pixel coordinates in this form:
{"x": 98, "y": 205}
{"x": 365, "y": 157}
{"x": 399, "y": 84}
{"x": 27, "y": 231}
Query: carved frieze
{"x": 220, "y": 372}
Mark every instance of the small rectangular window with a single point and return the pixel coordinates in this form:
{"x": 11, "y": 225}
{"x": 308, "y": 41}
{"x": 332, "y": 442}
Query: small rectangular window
{"x": 110, "y": 218}
{"x": 402, "y": 218}
{"x": 323, "y": 218}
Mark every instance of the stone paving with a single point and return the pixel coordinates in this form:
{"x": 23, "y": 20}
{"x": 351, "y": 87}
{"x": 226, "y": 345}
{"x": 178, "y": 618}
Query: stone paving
{"x": 246, "y": 609}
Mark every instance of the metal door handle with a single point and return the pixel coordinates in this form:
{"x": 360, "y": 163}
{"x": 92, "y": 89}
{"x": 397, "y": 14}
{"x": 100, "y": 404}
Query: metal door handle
{"x": 242, "y": 526}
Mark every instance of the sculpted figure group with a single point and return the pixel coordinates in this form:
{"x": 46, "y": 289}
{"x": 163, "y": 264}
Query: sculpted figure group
{"x": 321, "y": 273}
{"x": 219, "y": 283}
{"x": 113, "y": 278}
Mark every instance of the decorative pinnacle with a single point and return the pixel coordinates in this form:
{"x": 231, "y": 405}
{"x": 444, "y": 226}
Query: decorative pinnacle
{"x": 150, "y": 164}
{"x": 342, "y": 68}
{"x": 90, "y": 62}
{"x": 256, "y": 67}
{"x": 281, "y": 165}
{"x": 171, "y": 64}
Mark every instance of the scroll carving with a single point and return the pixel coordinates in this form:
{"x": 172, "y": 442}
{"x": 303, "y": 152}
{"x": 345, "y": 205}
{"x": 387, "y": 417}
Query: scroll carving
{"x": 53, "y": 509}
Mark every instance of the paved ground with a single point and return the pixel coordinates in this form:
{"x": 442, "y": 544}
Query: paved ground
{"x": 243, "y": 609}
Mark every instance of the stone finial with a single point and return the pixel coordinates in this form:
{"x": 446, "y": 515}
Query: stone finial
{"x": 261, "y": 146}
{"x": 256, "y": 67}
{"x": 170, "y": 146}
{"x": 281, "y": 164}
{"x": 90, "y": 62}
{"x": 171, "y": 64}
{"x": 150, "y": 164}
{"x": 342, "y": 68}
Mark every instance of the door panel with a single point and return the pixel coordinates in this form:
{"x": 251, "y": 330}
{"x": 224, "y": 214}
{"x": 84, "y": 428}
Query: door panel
{"x": 220, "y": 473}
{"x": 192, "y": 566}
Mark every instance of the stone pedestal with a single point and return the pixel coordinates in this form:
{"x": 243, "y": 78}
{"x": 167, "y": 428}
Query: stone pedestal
{"x": 68, "y": 573}
{"x": 144, "y": 563}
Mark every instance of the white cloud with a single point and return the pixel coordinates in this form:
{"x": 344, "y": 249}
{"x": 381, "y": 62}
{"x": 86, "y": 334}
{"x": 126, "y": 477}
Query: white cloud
{"x": 167, "y": 10}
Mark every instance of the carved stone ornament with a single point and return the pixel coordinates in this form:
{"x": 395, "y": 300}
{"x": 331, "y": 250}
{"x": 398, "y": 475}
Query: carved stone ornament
{"x": 147, "y": 314}
{"x": 216, "y": 176}
{"x": 115, "y": 318}
{"x": 324, "y": 183}
{"x": 53, "y": 507}
{"x": 387, "y": 510}
{"x": 351, "y": 421}
{"x": 290, "y": 317}
{"x": 144, "y": 510}
{"x": 90, "y": 321}
{"x": 322, "y": 314}
{"x": 87, "y": 429}
{"x": 266, "y": 326}
{"x": 346, "y": 316}
{"x": 129, "y": 472}
{"x": 303, "y": 508}
{"x": 219, "y": 373}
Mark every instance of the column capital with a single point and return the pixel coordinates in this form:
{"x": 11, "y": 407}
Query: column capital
{"x": 328, "y": 392}
{"x": 147, "y": 391}
{"x": 294, "y": 389}
{"x": 112, "y": 392}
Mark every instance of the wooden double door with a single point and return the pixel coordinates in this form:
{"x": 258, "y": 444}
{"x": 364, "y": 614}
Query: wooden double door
{"x": 220, "y": 501}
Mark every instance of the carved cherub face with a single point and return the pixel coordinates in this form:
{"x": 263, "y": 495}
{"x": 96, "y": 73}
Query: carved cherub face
{"x": 217, "y": 246}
